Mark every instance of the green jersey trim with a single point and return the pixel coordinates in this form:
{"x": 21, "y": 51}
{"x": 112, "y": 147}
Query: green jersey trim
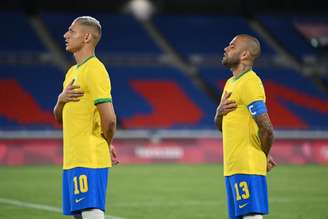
{"x": 235, "y": 78}
{"x": 87, "y": 59}
{"x": 103, "y": 100}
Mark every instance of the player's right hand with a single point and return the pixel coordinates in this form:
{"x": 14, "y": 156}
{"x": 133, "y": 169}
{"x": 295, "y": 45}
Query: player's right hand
{"x": 271, "y": 163}
{"x": 71, "y": 93}
{"x": 114, "y": 157}
{"x": 226, "y": 105}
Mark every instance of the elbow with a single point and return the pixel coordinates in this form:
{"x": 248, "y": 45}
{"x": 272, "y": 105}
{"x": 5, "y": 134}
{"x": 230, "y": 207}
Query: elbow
{"x": 215, "y": 120}
{"x": 217, "y": 123}
{"x": 112, "y": 124}
{"x": 272, "y": 135}
{"x": 57, "y": 117}
{"x": 269, "y": 133}
{"x": 218, "y": 126}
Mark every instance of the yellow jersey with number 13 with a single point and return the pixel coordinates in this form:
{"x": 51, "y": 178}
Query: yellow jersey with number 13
{"x": 242, "y": 153}
{"x": 84, "y": 145}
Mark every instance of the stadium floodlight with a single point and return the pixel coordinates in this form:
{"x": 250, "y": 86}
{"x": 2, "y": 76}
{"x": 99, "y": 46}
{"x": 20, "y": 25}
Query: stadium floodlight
{"x": 141, "y": 9}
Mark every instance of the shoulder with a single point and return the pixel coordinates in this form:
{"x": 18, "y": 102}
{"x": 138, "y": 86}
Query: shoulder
{"x": 231, "y": 79}
{"x": 252, "y": 78}
{"x": 96, "y": 63}
{"x": 96, "y": 68}
{"x": 70, "y": 69}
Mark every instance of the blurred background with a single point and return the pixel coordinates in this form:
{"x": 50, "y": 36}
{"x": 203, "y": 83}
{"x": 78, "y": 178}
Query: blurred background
{"x": 164, "y": 61}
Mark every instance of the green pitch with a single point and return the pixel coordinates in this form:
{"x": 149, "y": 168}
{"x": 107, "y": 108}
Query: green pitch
{"x": 165, "y": 192}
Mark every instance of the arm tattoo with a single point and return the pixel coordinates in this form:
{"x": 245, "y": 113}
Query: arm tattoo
{"x": 265, "y": 132}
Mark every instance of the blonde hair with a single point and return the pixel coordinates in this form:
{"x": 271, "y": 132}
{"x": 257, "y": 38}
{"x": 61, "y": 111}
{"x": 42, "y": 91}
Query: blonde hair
{"x": 93, "y": 23}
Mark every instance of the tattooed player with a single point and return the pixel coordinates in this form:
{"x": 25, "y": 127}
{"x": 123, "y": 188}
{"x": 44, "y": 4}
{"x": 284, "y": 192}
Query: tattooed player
{"x": 247, "y": 132}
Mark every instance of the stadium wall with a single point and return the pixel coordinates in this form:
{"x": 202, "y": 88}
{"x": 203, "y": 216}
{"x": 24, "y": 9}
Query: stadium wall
{"x": 141, "y": 147}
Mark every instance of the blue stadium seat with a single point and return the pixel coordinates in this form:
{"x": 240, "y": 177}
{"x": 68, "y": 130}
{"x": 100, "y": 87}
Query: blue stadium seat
{"x": 17, "y": 35}
{"x": 283, "y": 28}
{"x": 121, "y": 34}
{"x": 28, "y": 94}
{"x": 207, "y": 35}
{"x": 139, "y": 92}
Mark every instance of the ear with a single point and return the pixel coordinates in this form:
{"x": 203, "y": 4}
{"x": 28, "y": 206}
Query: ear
{"x": 88, "y": 37}
{"x": 245, "y": 54}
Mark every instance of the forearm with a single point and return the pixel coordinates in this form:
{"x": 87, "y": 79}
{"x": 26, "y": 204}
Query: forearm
{"x": 108, "y": 121}
{"x": 108, "y": 130}
{"x": 218, "y": 121}
{"x": 58, "y": 110}
{"x": 265, "y": 132}
{"x": 266, "y": 137}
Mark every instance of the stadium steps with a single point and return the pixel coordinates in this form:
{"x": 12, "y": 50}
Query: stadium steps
{"x": 175, "y": 58}
{"x": 157, "y": 97}
{"x": 284, "y": 56}
{"x": 42, "y": 31}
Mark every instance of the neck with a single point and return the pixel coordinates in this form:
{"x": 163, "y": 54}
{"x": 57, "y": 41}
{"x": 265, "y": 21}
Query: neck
{"x": 241, "y": 68}
{"x": 83, "y": 54}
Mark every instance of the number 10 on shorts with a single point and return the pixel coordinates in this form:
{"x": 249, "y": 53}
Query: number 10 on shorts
{"x": 80, "y": 184}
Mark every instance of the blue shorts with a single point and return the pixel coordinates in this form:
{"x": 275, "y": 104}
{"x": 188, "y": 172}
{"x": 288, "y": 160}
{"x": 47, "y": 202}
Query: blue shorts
{"x": 84, "y": 188}
{"x": 246, "y": 195}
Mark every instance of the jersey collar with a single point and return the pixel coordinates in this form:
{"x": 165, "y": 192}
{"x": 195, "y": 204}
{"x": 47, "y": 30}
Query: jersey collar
{"x": 235, "y": 78}
{"x": 87, "y": 59}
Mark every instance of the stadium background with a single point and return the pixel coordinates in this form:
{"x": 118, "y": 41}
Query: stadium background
{"x": 163, "y": 60}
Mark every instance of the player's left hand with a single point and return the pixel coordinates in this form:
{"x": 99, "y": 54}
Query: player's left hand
{"x": 271, "y": 163}
{"x": 113, "y": 153}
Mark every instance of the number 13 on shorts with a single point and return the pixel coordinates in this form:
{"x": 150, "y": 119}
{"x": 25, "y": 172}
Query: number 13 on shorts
{"x": 80, "y": 184}
{"x": 241, "y": 190}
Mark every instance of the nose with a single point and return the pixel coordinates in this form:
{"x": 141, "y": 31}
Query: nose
{"x": 65, "y": 35}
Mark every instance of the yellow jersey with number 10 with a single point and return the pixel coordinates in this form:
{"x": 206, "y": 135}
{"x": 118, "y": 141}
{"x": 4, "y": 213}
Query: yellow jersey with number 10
{"x": 84, "y": 145}
{"x": 242, "y": 153}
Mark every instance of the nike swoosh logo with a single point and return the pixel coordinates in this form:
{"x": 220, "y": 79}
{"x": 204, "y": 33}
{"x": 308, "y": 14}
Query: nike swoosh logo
{"x": 79, "y": 199}
{"x": 242, "y": 206}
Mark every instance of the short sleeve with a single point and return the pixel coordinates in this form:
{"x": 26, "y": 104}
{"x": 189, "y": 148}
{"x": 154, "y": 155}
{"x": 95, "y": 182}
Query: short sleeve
{"x": 253, "y": 90}
{"x": 98, "y": 83}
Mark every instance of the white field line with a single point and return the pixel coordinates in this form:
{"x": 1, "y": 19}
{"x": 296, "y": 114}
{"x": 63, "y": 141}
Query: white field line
{"x": 40, "y": 206}
{"x": 141, "y": 204}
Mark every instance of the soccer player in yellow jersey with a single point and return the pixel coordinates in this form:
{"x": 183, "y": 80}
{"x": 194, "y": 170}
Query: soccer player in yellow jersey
{"x": 247, "y": 132}
{"x": 85, "y": 109}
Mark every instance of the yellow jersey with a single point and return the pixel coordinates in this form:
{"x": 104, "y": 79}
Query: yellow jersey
{"x": 242, "y": 153}
{"x": 84, "y": 145}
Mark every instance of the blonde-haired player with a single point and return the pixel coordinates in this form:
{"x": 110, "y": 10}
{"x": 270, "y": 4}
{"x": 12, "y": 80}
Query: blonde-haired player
{"x": 85, "y": 109}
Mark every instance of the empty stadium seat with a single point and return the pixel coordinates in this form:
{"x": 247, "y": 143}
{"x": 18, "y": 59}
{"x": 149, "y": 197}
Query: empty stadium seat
{"x": 120, "y": 34}
{"x": 28, "y": 94}
{"x": 207, "y": 35}
{"x": 18, "y": 35}
{"x": 283, "y": 28}
{"x": 159, "y": 97}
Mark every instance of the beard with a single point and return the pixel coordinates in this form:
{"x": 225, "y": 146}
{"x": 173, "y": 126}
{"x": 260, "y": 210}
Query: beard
{"x": 230, "y": 62}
